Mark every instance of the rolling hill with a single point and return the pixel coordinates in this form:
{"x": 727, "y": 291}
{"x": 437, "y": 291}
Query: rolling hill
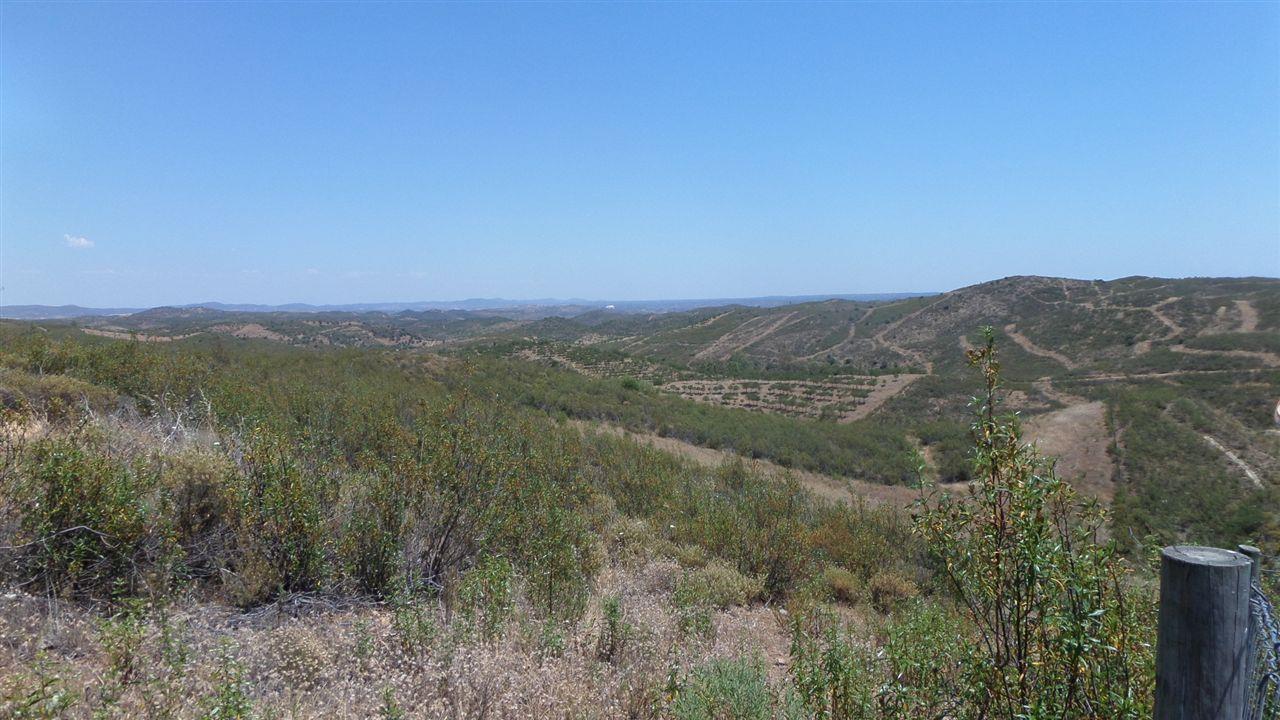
{"x": 1156, "y": 394}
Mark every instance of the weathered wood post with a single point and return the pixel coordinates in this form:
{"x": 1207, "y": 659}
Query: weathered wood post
{"x": 1201, "y": 645}
{"x": 1251, "y": 636}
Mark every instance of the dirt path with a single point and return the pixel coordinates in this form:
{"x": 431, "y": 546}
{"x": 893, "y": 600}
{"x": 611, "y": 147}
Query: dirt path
{"x": 1046, "y": 388}
{"x": 123, "y": 335}
{"x": 1142, "y": 347}
{"x": 1174, "y": 328}
{"x": 1157, "y": 375}
{"x": 1248, "y": 316}
{"x": 711, "y": 319}
{"x": 1026, "y": 344}
{"x": 739, "y": 338}
{"x": 1244, "y": 467}
{"x": 882, "y": 338}
{"x": 848, "y": 338}
{"x": 1077, "y": 436}
{"x": 825, "y": 486}
{"x": 1269, "y": 359}
{"x": 879, "y": 396}
{"x": 255, "y": 331}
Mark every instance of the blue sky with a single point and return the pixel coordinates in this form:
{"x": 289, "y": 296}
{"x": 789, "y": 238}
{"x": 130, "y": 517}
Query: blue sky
{"x": 167, "y": 153}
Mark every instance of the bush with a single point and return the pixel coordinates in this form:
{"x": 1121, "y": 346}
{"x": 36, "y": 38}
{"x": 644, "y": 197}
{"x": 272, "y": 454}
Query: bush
{"x": 57, "y": 397}
{"x": 195, "y": 482}
{"x": 925, "y": 663}
{"x": 1060, "y": 632}
{"x": 735, "y": 689}
{"x": 842, "y": 585}
{"x": 615, "y": 631}
{"x": 832, "y": 673}
{"x": 887, "y": 589}
{"x": 487, "y": 596}
{"x": 92, "y": 525}
{"x": 630, "y": 541}
{"x": 277, "y": 509}
{"x": 690, "y": 555}
{"x": 718, "y": 585}
{"x": 372, "y": 545}
{"x": 478, "y": 483}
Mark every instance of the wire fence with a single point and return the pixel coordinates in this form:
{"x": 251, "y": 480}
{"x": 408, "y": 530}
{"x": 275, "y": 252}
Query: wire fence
{"x": 1264, "y": 686}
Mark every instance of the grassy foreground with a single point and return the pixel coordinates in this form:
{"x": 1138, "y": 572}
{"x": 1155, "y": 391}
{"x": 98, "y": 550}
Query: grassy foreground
{"x": 247, "y": 531}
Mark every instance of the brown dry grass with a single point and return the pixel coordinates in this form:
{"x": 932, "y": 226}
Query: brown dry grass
{"x": 314, "y": 660}
{"x": 1077, "y": 435}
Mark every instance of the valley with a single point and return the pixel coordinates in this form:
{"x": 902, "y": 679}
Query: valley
{"x": 1072, "y": 350}
{"x": 599, "y": 513}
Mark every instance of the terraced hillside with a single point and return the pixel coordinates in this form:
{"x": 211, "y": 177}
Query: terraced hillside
{"x": 1156, "y": 394}
{"x": 1129, "y": 324}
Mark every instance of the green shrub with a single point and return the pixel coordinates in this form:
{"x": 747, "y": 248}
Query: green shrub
{"x": 413, "y": 623}
{"x": 58, "y": 397}
{"x": 1060, "y": 631}
{"x": 230, "y": 696}
{"x": 864, "y": 539}
{"x": 478, "y": 482}
{"x": 92, "y": 524}
{"x": 719, "y": 586}
{"x": 196, "y": 483}
{"x": 277, "y": 508}
{"x": 695, "y": 617}
{"x": 887, "y": 589}
{"x": 690, "y": 555}
{"x": 615, "y": 632}
{"x": 735, "y": 689}
{"x": 38, "y": 693}
{"x": 372, "y": 546}
{"x": 832, "y": 673}
{"x": 630, "y": 541}
{"x": 925, "y": 656}
{"x": 486, "y": 596}
{"x": 842, "y": 585}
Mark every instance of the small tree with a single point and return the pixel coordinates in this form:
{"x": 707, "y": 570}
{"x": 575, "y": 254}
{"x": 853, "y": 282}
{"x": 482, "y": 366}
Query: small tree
{"x": 1060, "y": 631}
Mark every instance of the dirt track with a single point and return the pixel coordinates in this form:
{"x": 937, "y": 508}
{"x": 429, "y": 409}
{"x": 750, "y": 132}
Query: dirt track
{"x": 1269, "y": 359}
{"x": 1248, "y": 316}
{"x": 1235, "y": 460}
{"x": 140, "y": 337}
{"x": 879, "y": 396}
{"x": 825, "y": 486}
{"x": 742, "y": 337}
{"x": 1077, "y": 436}
{"x": 1026, "y": 344}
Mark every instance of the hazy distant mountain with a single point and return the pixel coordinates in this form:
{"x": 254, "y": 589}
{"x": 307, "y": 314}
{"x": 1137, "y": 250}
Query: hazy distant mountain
{"x": 541, "y": 306}
{"x": 53, "y": 312}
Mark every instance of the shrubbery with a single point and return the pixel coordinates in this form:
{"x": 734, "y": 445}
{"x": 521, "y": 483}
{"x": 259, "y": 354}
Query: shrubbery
{"x": 1060, "y": 629}
{"x": 367, "y": 478}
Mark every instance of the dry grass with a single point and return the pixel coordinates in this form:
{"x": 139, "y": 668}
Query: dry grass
{"x": 307, "y": 658}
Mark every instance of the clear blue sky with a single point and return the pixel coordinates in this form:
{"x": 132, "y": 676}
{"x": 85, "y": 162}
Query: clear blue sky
{"x": 166, "y": 153}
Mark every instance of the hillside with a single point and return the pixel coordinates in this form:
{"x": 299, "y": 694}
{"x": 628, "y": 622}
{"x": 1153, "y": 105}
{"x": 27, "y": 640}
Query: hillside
{"x": 1073, "y": 324}
{"x": 1142, "y": 386}
{"x": 215, "y": 513}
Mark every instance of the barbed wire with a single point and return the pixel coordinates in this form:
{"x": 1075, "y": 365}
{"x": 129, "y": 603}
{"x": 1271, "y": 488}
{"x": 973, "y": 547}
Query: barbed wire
{"x": 1263, "y": 702}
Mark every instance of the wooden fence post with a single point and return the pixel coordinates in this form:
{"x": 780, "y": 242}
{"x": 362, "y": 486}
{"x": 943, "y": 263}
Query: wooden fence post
{"x": 1201, "y": 645}
{"x": 1251, "y": 637}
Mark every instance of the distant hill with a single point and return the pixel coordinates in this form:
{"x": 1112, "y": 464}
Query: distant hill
{"x": 1058, "y": 324}
{"x": 545, "y": 307}
{"x": 1052, "y": 325}
{"x": 1155, "y": 394}
{"x": 52, "y": 312}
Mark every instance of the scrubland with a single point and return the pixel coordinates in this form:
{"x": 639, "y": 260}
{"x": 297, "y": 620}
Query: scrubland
{"x": 241, "y": 530}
